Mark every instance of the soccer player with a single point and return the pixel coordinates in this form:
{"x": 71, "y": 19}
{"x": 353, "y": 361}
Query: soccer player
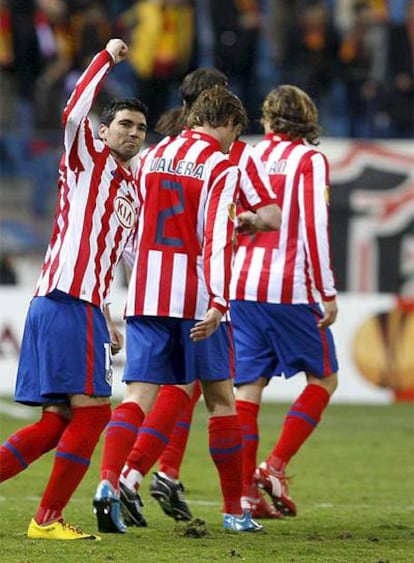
{"x": 170, "y": 418}
{"x": 173, "y": 121}
{"x": 65, "y": 360}
{"x": 279, "y": 281}
{"x": 178, "y": 294}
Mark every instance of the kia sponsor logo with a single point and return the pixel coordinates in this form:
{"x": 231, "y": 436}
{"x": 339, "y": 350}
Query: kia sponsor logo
{"x": 125, "y": 212}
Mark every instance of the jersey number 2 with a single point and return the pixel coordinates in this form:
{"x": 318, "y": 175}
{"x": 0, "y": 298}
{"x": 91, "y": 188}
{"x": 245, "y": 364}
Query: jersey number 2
{"x": 168, "y": 213}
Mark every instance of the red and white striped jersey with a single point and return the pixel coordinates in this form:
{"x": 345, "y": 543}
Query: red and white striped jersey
{"x": 184, "y": 239}
{"x": 97, "y": 202}
{"x": 291, "y": 265}
{"x": 255, "y": 188}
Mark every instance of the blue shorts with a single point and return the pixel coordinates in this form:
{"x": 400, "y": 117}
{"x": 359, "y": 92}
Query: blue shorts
{"x": 159, "y": 350}
{"x": 65, "y": 350}
{"x": 277, "y": 339}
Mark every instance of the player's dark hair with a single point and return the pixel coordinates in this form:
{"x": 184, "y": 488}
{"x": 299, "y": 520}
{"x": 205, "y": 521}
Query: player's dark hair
{"x": 217, "y": 107}
{"x": 289, "y": 110}
{"x": 173, "y": 121}
{"x": 132, "y": 104}
{"x": 198, "y": 80}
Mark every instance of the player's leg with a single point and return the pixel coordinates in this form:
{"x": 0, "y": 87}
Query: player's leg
{"x": 248, "y": 401}
{"x": 172, "y": 455}
{"x": 149, "y": 343}
{"x": 72, "y": 458}
{"x": 313, "y": 351}
{"x": 225, "y": 444}
{"x": 74, "y": 374}
{"x": 166, "y": 486}
{"x": 29, "y": 443}
{"x": 255, "y": 363}
{"x": 214, "y": 367}
{"x": 153, "y": 437}
{"x": 302, "y": 419}
{"x": 120, "y": 436}
{"x": 300, "y": 422}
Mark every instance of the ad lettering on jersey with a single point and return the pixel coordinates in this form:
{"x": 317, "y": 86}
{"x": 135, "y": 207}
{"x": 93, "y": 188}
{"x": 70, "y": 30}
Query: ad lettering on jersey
{"x": 277, "y": 167}
{"x": 125, "y": 212}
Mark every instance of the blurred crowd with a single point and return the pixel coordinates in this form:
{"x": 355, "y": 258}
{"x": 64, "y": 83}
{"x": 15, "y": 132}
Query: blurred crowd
{"x": 354, "y": 57}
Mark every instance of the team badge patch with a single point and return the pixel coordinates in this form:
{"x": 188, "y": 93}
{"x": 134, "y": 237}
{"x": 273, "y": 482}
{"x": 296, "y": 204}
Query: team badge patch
{"x": 231, "y": 209}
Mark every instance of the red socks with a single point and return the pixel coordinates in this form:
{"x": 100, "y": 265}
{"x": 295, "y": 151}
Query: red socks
{"x": 29, "y": 443}
{"x": 172, "y": 456}
{"x": 157, "y": 427}
{"x": 73, "y": 454}
{"x": 299, "y": 424}
{"x": 225, "y": 443}
{"x": 248, "y": 414}
{"x": 120, "y": 436}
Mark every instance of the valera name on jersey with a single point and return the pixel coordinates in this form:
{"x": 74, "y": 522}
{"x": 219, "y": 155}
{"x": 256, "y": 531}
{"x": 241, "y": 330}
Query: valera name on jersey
{"x": 181, "y": 168}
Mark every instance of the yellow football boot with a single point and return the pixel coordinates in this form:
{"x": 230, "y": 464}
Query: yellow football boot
{"x": 58, "y": 530}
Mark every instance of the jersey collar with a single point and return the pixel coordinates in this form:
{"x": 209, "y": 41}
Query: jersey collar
{"x": 124, "y": 173}
{"x": 278, "y": 137}
{"x": 198, "y": 136}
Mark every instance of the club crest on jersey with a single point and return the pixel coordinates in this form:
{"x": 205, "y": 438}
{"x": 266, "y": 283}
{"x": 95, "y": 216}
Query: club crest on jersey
{"x": 231, "y": 209}
{"x": 125, "y": 212}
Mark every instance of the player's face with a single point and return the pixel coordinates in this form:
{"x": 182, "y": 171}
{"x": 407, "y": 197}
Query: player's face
{"x": 125, "y": 134}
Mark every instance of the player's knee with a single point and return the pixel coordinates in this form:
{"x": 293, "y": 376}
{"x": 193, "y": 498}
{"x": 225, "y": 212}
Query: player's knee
{"x": 143, "y": 394}
{"x": 330, "y": 383}
{"x": 221, "y": 405}
{"x": 251, "y": 392}
{"x": 64, "y": 411}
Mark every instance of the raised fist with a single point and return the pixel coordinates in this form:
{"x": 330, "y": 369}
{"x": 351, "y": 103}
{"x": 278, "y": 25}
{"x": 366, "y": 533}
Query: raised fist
{"x": 118, "y": 50}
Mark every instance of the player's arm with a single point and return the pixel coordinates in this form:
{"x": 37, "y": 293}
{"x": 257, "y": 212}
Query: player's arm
{"x": 218, "y": 234}
{"x": 88, "y": 87}
{"x": 218, "y": 247}
{"x": 266, "y": 218}
{"x": 203, "y": 329}
{"x": 262, "y": 213}
{"x": 129, "y": 253}
{"x": 314, "y": 208}
{"x": 117, "y": 338}
{"x": 330, "y": 313}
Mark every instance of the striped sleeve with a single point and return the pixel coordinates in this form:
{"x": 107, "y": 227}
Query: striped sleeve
{"x": 219, "y": 228}
{"x": 81, "y": 100}
{"x": 255, "y": 188}
{"x": 314, "y": 208}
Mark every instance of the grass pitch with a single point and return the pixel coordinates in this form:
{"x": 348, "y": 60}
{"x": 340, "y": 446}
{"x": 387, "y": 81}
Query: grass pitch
{"x": 353, "y": 482}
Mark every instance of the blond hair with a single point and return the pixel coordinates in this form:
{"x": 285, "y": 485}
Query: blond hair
{"x": 288, "y": 109}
